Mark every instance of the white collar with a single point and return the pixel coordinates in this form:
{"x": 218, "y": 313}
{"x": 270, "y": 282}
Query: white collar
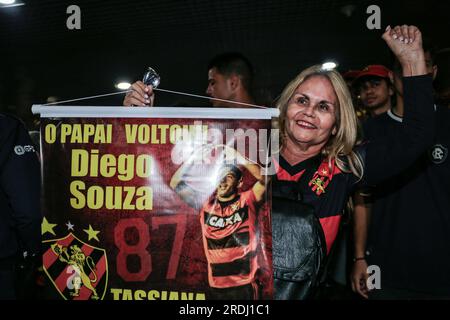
{"x": 393, "y": 116}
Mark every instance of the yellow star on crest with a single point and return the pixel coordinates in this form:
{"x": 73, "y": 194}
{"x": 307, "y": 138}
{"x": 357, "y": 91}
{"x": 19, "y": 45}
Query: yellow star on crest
{"x": 91, "y": 233}
{"x": 47, "y": 227}
{"x": 324, "y": 172}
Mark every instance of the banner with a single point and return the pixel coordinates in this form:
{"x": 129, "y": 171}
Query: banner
{"x": 156, "y": 203}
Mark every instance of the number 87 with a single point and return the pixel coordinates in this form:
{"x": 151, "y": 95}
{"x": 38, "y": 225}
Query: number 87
{"x": 140, "y": 248}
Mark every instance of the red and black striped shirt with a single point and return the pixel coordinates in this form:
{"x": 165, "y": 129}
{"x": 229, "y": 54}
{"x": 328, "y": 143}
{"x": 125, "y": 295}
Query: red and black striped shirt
{"x": 229, "y": 239}
{"x": 329, "y": 202}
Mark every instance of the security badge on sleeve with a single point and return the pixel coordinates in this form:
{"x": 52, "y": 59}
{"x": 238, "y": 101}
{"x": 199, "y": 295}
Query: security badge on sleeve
{"x": 21, "y": 150}
{"x": 321, "y": 178}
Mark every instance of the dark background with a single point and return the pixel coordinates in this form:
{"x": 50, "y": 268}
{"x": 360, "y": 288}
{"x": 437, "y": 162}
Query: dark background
{"x": 40, "y": 57}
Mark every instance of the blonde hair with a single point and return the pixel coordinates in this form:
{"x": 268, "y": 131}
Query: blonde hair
{"x": 340, "y": 146}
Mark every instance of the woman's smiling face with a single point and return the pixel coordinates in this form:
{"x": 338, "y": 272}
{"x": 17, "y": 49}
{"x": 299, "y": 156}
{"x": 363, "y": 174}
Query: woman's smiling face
{"x": 311, "y": 113}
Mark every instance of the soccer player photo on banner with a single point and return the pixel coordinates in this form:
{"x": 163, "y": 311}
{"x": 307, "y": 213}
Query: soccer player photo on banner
{"x": 160, "y": 204}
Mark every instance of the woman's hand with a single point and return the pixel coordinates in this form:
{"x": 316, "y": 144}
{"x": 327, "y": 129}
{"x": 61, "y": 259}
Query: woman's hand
{"x": 406, "y": 44}
{"x": 141, "y": 95}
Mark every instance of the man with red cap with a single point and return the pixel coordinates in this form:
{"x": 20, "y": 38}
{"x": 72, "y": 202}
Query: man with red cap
{"x": 373, "y": 85}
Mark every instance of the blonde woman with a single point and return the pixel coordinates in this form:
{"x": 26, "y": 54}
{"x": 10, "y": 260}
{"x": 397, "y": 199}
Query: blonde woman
{"x": 318, "y": 126}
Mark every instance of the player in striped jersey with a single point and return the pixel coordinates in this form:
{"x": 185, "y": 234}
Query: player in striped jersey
{"x": 228, "y": 220}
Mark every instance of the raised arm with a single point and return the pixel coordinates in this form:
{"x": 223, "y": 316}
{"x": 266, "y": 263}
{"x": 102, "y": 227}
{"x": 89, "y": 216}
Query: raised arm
{"x": 389, "y": 156}
{"x": 259, "y": 188}
{"x": 406, "y": 44}
{"x": 179, "y": 185}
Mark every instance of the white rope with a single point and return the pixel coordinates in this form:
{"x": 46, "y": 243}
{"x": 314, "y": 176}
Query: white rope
{"x": 85, "y": 98}
{"x": 210, "y": 98}
{"x": 157, "y": 89}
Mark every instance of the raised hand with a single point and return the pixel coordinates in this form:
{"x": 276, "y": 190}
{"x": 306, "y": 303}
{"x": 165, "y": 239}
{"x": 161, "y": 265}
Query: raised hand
{"x": 406, "y": 43}
{"x": 141, "y": 95}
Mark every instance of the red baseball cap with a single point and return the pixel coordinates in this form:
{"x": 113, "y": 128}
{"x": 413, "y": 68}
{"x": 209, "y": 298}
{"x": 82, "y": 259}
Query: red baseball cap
{"x": 376, "y": 70}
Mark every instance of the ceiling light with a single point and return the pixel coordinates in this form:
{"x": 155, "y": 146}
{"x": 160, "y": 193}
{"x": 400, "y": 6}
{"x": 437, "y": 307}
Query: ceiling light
{"x": 10, "y": 4}
{"x": 329, "y": 65}
{"x": 123, "y": 85}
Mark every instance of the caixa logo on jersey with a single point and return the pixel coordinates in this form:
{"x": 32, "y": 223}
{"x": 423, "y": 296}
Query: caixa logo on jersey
{"x": 20, "y": 150}
{"x": 438, "y": 153}
{"x": 222, "y": 222}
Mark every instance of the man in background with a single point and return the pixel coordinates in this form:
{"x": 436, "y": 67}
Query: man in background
{"x": 230, "y": 77}
{"x": 374, "y": 87}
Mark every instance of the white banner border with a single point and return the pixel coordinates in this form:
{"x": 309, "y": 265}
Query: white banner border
{"x": 152, "y": 112}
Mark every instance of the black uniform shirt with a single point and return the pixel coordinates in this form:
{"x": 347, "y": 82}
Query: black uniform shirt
{"x": 409, "y": 236}
{"x": 20, "y": 212}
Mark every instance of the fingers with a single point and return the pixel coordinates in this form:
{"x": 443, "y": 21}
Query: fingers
{"x": 355, "y": 278}
{"x": 138, "y": 93}
{"x": 417, "y": 35}
{"x": 141, "y": 95}
{"x": 387, "y": 33}
{"x": 397, "y": 33}
{"x": 391, "y": 34}
{"x": 358, "y": 285}
{"x": 406, "y": 34}
{"x": 133, "y": 99}
{"x": 354, "y": 281}
{"x": 362, "y": 289}
{"x": 359, "y": 278}
{"x": 411, "y": 34}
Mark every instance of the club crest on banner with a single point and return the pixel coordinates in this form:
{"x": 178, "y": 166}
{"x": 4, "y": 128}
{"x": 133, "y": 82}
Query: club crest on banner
{"x": 78, "y": 271}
